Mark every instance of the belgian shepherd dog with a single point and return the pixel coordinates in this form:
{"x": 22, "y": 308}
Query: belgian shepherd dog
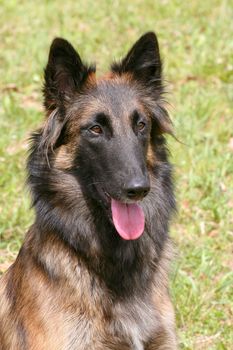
{"x": 92, "y": 272}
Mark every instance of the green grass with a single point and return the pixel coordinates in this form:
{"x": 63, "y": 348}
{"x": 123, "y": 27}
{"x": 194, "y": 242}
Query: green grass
{"x": 196, "y": 40}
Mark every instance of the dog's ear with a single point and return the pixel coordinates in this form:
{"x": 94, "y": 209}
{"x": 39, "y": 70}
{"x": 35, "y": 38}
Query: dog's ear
{"x": 65, "y": 74}
{"x": 142, "y": 61}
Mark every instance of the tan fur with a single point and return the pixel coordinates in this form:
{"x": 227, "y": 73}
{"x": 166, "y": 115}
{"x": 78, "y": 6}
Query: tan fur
{"x": 150, "y": 156}
{"x": 50, "y": 300}
{"x": 64, "y": 158}
{"x": 82, "y": 313}
{"x": 125, "y": 78}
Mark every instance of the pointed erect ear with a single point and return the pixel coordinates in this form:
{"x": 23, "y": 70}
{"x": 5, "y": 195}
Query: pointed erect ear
{"x": 64, "y": 74}
{"x": 142, "y": 61}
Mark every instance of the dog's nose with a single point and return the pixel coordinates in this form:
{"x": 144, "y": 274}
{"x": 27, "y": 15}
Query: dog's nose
{"x": 137, "y": 189}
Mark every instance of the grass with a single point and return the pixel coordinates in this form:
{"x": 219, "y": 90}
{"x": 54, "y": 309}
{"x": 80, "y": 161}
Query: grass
{"x": 197, "y": 45}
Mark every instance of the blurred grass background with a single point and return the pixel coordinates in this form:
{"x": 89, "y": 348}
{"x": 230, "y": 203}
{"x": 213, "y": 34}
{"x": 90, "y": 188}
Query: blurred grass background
{"x": 196, "y": 40}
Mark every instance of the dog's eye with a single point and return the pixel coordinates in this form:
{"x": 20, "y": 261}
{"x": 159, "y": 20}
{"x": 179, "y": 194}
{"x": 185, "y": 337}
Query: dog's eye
{"x": 141, "y": 126}
{"x": 96, "y": 129}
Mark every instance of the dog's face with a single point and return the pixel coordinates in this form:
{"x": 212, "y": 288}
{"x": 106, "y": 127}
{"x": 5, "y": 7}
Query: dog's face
{"x": 106, "y": 131}
{"x": 114, "y": 136}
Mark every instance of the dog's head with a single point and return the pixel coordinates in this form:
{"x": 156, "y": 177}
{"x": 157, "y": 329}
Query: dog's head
{"x": 107, "y": 132}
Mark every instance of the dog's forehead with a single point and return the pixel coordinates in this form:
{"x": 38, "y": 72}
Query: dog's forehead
{"x": 115, "y": 97}
{"x": 115, "y": 89}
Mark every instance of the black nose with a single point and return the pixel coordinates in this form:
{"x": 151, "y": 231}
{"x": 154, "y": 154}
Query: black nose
{"x": 137, "y": 189}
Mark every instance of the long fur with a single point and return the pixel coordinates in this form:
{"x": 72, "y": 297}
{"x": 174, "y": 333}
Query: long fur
{"x": 76, "y": 284}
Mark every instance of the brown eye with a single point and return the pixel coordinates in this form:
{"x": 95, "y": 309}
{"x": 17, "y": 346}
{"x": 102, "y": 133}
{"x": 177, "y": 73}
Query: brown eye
{"x": 141, "y": 126}
{"x": 96, "y": 129}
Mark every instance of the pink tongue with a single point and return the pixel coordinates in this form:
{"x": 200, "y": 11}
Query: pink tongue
{"x": 128, "y": 219}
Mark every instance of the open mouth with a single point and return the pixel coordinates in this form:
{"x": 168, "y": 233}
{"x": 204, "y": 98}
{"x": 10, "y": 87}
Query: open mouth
{"x": 127, "y": 217}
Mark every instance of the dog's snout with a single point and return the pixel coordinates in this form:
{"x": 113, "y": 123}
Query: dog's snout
{"x": 137, "y": 189}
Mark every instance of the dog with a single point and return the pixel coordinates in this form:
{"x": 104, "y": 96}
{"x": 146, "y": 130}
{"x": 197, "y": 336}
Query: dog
{"x": 93, "y": 270}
